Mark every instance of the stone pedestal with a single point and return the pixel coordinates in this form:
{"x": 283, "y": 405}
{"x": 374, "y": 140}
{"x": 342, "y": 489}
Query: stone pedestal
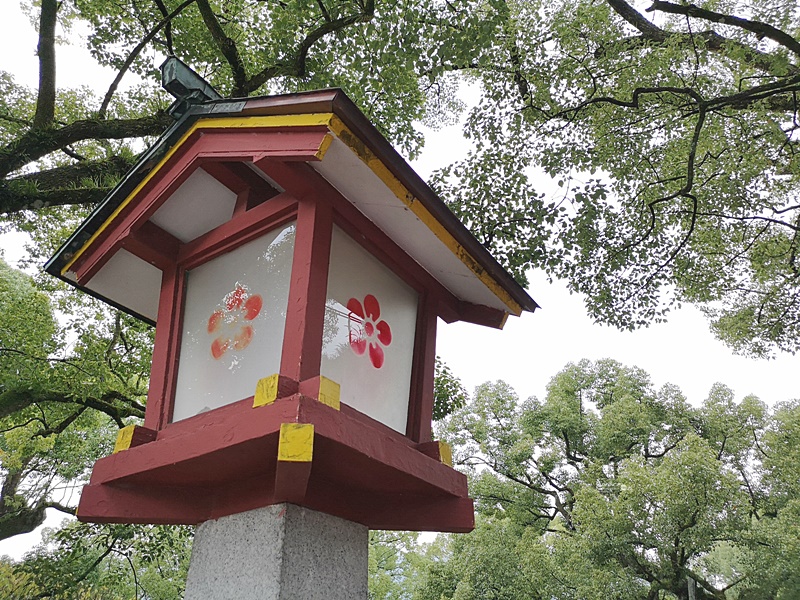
{"x": 280, "y": 552}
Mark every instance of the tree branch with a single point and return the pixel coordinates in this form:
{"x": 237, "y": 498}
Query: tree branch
{"x": 70, "y": 510}
{"x": 635, "y": 18}
{"x": 114, "y": 404}
{"x": 101, "y": 113}
{"x": 757, "y": 27}
{"x": 296, "y": 66}
{"x": 168, "y": 27}
{"x": 72, "y": 175}
{"x": 711, "y": 41}
{"x": 46, "y": 98}
{"x": 226, "y": 45}
{"x": 36, "y": 144}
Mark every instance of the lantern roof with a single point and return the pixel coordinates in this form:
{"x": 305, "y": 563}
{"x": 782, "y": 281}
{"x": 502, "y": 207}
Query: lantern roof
{"x": 353, "y": 157}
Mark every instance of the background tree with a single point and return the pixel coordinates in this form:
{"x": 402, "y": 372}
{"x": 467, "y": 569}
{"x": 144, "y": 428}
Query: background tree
{"x": 610, "y": 488}
{"x": 670, "y": 129}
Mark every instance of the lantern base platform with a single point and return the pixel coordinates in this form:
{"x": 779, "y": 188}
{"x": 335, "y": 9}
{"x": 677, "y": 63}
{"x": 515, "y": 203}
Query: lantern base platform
{"x": 227, "y": 461}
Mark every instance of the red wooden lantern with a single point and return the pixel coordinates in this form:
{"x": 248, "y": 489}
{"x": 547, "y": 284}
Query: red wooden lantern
{"x": 295, "y": 267}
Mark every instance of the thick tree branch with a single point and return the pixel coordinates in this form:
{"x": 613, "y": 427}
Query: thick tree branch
{"x": 72, "y": 175}
{"x": 12, "y": 201}
{"x": 711, "y": 41}
{"x": 36, "y": 144}
{"x": 226, "y": 45}
{"x": 46, "y": 99}
{"x": 635, "y": 18}
{"x": 757, "y": 27}
{"x": 114, "y": 404}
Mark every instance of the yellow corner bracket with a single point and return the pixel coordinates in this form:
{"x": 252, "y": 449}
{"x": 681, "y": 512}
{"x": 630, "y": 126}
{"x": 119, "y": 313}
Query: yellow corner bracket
{"x": 296, "y": 442}
{"x": 266, "y": 391}
{"x": 329, "y": 392}
{"x": 445, "y": 454}
{"x": 124, "y": 438}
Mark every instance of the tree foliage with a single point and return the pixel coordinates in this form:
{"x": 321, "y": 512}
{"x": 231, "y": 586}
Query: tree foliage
{"x": 64, "y": 390}
{"x": 610, "y": 488}
{"x": 670, "y": 129}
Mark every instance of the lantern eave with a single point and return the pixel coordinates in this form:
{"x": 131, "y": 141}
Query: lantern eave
{"x": 411, "y": 213}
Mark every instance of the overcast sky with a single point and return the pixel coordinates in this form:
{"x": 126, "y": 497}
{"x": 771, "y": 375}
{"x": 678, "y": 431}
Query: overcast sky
{"x": 531, "y": 349}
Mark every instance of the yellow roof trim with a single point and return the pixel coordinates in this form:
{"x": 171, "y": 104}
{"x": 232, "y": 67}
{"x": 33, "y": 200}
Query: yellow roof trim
{"x": 303, "y": 120}
{"x": 406, "y": 197}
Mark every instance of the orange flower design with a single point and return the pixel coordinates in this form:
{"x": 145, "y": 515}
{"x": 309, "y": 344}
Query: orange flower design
{"x": 231, "y": 322}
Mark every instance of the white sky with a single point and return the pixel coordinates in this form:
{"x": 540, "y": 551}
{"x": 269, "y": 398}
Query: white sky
{"x": 531, "y": 349}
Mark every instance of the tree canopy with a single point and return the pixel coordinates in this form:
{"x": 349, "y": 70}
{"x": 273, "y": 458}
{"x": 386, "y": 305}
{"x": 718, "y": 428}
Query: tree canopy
{"x": 667, "y": 128}
{"x": 611, "y": 488}
{"x": 670, "y": 128}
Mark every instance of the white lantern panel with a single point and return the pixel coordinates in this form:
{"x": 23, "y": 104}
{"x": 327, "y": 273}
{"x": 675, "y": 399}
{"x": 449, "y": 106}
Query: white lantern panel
{"x": 368, "y": 340}
{"x": 233, "y": 323}
{"x": 199, "y": 205}
{"x": 129, "y": 281}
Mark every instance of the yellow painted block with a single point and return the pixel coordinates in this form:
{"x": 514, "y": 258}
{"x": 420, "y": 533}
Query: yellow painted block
{"x": 323, "y": 147}
{"x": 445, "y": 454}
{"x": 329, "y": 392}
{"x": 266, "y": 391}
{"x": 124, "y": 438}
{"x": 296, "y": 442}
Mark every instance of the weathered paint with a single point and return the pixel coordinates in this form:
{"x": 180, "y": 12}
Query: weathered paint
{"x": 329, "y": 392}
{"x": 301, "y": 355}
{"x": 124, "y": 437}
{"x": 296, "y": 442}
{"x": 323, "y": 390}
{"x": 445, "y": 453}
{"x": 225, "y": 461}
{"x": 266, "y": 391}
{"x": 166, "y": 349}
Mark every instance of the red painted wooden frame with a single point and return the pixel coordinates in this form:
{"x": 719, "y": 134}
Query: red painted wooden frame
{"x": 316, "y": 206}
{"x": 219, "y": 462}
{"x": 361, "y": 470}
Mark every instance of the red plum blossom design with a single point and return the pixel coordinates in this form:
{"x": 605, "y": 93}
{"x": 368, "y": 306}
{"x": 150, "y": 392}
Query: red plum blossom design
{"x": 367, "y": 330}
{"x": 231, "y": 321}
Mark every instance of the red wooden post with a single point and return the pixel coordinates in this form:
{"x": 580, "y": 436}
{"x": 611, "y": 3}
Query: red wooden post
{"x": 302, "y": 340}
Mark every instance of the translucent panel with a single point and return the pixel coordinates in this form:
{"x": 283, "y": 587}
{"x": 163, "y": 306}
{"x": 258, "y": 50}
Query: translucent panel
{"x": 131, "y": 282}
{"x": 233, "y": 322}
{"x": 198, "y": 206}
{"x": 368, "y": 341}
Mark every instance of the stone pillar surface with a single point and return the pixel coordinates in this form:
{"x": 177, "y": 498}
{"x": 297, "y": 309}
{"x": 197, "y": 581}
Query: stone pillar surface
{"x": 281, "y": 552}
